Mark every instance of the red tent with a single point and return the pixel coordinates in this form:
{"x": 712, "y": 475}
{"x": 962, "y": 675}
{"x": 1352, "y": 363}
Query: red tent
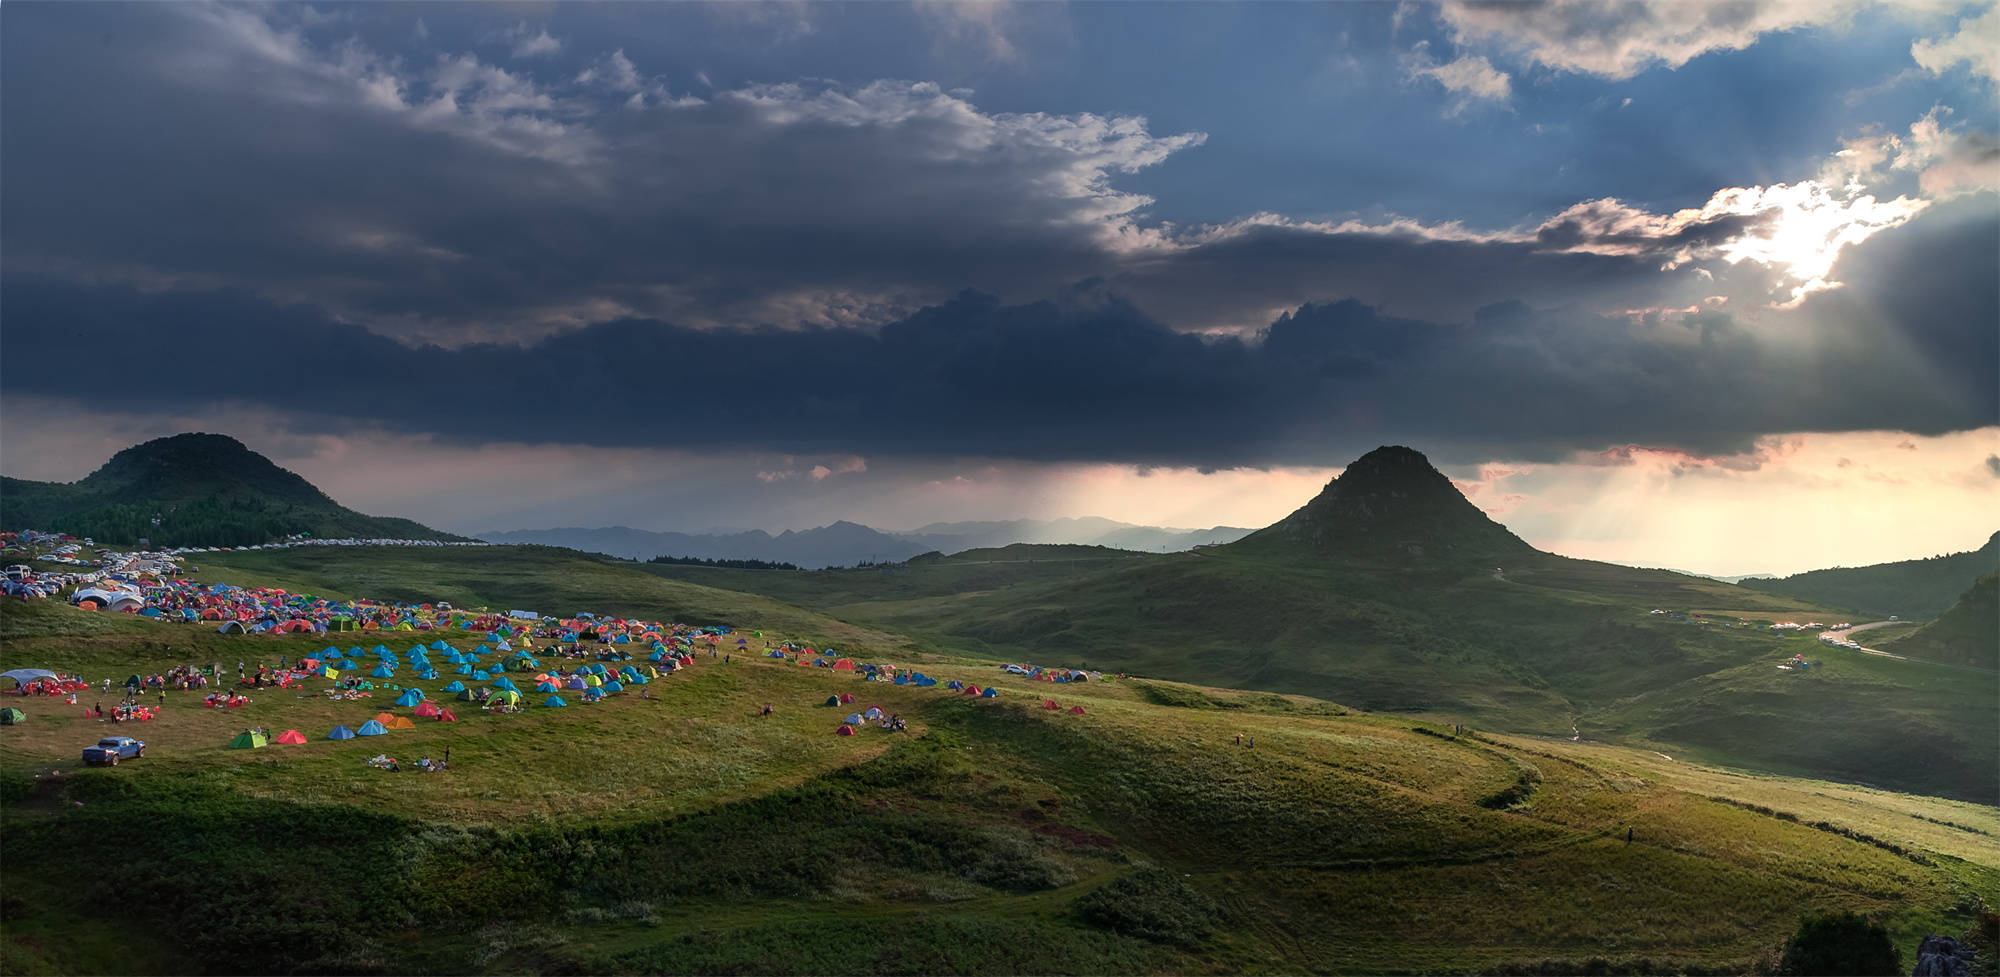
{"x": 844, "y": 665}
{"x": 447, "y": 716}
{"x": 1076, "y": 710}
{"x": 291, "y": 737}
{"x": 1050, "y": 704}
{"x": 426, "y": 709}
{"x": 845, "y": 730}
{"x": 846, "y": 697}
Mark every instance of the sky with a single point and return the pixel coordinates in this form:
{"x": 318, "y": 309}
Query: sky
{"x": 1713, "y": 286}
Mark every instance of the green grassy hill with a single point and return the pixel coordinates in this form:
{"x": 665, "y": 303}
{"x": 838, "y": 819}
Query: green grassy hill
{"x": 688, "y": 834}
{"x": 1967, "y": 633}
{"x": 206, "y": 490}
{"x": 1391, "y": 592}
{"x": 1915, "y": 589}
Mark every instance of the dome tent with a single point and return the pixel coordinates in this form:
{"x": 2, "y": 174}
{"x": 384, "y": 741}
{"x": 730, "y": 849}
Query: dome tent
{"x": 340, "y": 733}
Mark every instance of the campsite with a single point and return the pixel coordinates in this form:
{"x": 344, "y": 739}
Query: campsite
{"x": 1127, "y": 829}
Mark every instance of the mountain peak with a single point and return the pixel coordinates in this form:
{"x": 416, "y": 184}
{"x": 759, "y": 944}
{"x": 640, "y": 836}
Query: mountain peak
{"x": 1391, "y": 506}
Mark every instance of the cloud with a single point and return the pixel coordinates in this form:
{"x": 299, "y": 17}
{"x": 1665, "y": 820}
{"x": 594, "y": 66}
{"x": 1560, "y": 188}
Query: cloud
{"x": 986, "y": 24}
{"x": 531, "y": 44}
{"x": 614, "y": 71}
{"x": 1619, "y": 40}
{"x": 1091, "y": 377}
{"x": 1975, "y": 43}
{"x": 1469, "y": 77}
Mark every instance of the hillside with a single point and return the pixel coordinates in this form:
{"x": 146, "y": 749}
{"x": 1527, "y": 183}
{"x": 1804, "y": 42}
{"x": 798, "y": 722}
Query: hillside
{"x": 1388, "y": 508}
{"x": 1917, "y": 590}
{"x": 687, "y": 834}
{"x": 1390, "y": 592}
{"x": 204, "y": 490}
{"x": 1967, "y": 633}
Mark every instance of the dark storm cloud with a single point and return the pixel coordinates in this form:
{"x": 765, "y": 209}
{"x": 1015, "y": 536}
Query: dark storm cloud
{"x": 435, "y": 195}
{"x": 1909, "y": 346}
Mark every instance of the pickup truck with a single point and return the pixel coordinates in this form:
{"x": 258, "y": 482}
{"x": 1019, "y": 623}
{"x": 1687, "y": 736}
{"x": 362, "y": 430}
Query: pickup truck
{"x": 111, "y": 749}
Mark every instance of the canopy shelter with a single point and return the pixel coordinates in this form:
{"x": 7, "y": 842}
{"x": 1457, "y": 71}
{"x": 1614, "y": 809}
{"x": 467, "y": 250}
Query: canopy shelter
{"x": 23, "y": 676}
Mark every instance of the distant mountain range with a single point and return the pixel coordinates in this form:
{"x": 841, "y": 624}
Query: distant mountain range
{"x": 191, "y": 490}
{"x": 847, "y": 543}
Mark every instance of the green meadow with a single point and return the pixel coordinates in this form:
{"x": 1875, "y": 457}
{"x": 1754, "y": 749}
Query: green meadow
{"x": 688, "y": 833}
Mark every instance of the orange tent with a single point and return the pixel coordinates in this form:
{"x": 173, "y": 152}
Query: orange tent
{"x": 386, "y": 718}
{"x": 290, "y": 737}
{"x": 402, "y": 722}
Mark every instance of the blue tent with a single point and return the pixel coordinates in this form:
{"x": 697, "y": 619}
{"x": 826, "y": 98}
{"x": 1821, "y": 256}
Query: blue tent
{"x": 902, "y": 680}
{"x": 480, "y": 676}
{"x": 505, "y": 683}
{"x": 554, "y": 702}
{"x": 340, "y": 733}
{"x": 597, "y": 669}
{"x": 636, "y": 680}
{"x": 775, "y": 653}
{"x": 464, "y": 668}
{"x": 657, "y": 656}
{"x": 545, "y": 687}
{"x": 381, "y": 650}
{"x": 614, "y": 686}
{"x": 455, "y": 687}
{"x": 441, "y": 646}
{"x": 370, "y": 728}
{"x": 577, "y": 683}
{"x": 990, "y": 693}
{"x": 382, "y": 671}
{"x": 428, "y": 674}
{"x": 329, "y": 652}
{"x": 410, "y": 697}
{"x": 416, "y": 651}
{"x": 853, "y": 719}
{"x": 955, "y": 684}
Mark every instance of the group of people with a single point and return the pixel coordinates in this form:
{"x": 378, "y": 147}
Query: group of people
{"x": 53, "y": 686}
{"x": 224, "y": 700}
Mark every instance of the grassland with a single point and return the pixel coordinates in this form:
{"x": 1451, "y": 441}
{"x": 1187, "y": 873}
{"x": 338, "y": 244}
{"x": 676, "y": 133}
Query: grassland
{"x": 689, "y": 834}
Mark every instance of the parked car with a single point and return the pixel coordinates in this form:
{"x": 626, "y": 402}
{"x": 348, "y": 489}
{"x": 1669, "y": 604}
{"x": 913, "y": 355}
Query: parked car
{"x": 112, "y": 749}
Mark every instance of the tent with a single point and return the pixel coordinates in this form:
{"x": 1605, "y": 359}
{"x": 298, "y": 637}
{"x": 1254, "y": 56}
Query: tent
{"x": 955, "y": 684}
{"x": 290, "y": 737}
{"x": 847, "y": 697}
{"x": 371, "y": 728}
{"x": 845, "y": 730}
{"x": 1076, "y": 710}
{"x": 554, "y": 702}
{"x": 233, "y": 627}
{"x": 447, "y": 716}
{"x": 402, "y": 722}
{"x": 990, "y": 693}
{"x": 23, "y": 676}
{"x": 11, "y": 716}
{"x": 508, "y": 696}
{"x": 854, "y": 719}
{"x": 248, "y": 740}
{"x": 340, "y": 733}
{"x": 833, "y": 700}
{"x": 874, "y": 712}
{"x": 614, "y": 686}
{"x": 1050, "y": 704}
{"x": 426, "y": 709}
{"x": 844, "y": 665}
{"x": 382, "y": 671}
{"x": 545, "y": 687}
{"x": 455, "y": 687}
{"x": 410, "y": 697}
{"x": 504, "y": 683}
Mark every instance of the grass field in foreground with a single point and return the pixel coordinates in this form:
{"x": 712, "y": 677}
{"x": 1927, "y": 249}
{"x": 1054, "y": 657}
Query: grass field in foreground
{"x": 690, "y": 835}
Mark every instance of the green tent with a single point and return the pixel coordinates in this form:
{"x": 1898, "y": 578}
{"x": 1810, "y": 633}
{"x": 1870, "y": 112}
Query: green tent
{"x": 134, "y": 682}
{"x": 9, "y": 717}
{"x": 248, "y": 740}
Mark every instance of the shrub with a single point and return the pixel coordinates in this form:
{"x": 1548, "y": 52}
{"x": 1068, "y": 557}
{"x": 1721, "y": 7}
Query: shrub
{"x": 1153, "y": 904}
{"x": 1841, "y": 944}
